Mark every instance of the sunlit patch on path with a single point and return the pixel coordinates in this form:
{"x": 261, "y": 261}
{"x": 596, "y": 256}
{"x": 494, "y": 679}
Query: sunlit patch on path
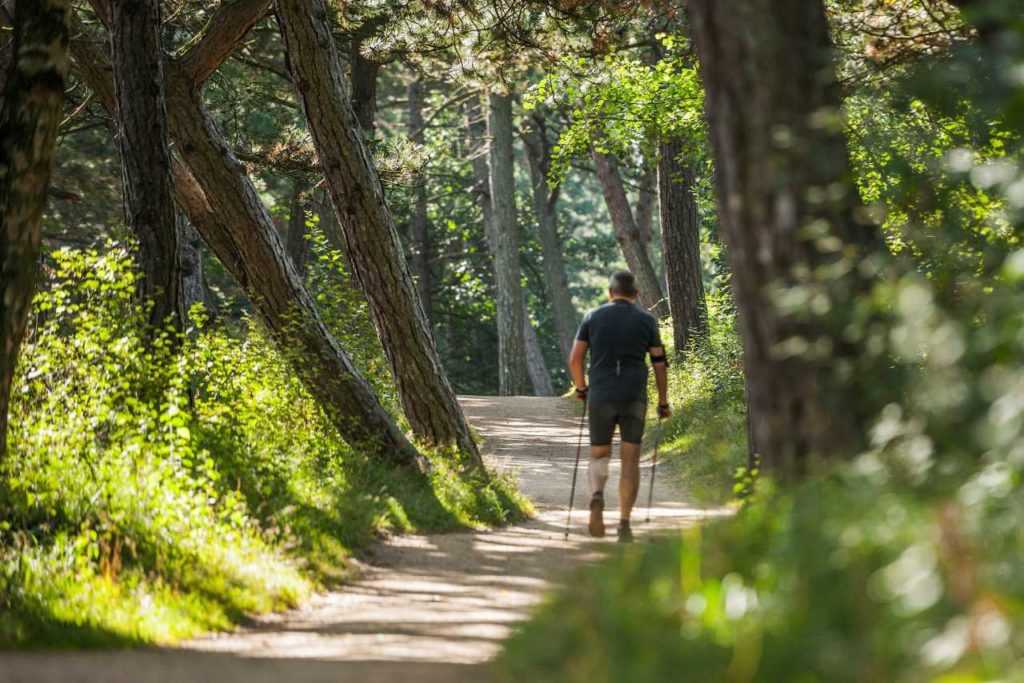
{"x": 428, "y": 608}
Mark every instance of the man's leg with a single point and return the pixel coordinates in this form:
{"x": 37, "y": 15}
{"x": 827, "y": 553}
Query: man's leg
{"x": 632, "y": 426}
{"x": 629, "y": 481}
{"x": 602, "y": 427}
{"x": 597, "y": 471}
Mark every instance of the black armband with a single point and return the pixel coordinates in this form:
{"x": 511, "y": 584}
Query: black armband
{"x": 659, "y": 359}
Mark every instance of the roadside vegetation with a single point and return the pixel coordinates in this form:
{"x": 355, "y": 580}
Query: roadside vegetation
{"x": 153, "y": 494}
{"x": 704, "y": 443}
{"x": 903, "y": 561}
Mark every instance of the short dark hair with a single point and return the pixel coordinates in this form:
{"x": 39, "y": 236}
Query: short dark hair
{"x": 622, "y": 283}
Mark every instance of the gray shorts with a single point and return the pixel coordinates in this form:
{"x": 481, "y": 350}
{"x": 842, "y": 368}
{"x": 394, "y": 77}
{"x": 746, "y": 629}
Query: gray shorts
{"x": 628, "y": 415}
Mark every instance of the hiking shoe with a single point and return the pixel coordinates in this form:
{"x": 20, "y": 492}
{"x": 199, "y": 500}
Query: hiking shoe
{"x": 596, "y": 526}
{"x": 625, "y": 533}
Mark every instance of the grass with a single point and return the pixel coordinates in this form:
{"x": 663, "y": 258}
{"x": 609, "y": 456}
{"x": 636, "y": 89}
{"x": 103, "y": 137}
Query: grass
{"x": 704, "y": 442}
{"x": 154, "y": 493}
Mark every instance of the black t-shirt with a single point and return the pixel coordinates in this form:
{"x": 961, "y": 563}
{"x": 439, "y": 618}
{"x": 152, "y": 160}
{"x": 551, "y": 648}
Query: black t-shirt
{"x": 620, "y": 335}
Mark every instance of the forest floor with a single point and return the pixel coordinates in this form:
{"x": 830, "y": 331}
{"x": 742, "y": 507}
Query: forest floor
{"x": 432, "y": 608}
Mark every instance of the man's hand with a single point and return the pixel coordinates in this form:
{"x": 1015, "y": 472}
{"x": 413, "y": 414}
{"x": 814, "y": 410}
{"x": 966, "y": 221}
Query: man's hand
{"x": 579, "y": 378}
{"x": 664, "y": 411}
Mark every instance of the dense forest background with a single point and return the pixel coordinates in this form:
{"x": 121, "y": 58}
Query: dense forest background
{"x": 427, "y": 129}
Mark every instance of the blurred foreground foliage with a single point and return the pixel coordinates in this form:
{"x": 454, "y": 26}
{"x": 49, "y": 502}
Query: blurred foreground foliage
{"x": 153, "y": 493}
{"x": 906, "y": 563}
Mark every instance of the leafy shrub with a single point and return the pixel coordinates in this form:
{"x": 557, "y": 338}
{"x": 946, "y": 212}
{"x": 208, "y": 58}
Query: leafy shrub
{"x": 704, "y": 442}
{"x": 153, "y": 492}
{"x": 847, "y": 580}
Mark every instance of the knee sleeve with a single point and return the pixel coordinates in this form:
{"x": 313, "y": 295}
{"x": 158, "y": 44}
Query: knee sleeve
{"x": 598, "y": 473}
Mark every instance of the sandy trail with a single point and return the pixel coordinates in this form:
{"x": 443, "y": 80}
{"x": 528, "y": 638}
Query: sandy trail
{"x": 427, "y": 608}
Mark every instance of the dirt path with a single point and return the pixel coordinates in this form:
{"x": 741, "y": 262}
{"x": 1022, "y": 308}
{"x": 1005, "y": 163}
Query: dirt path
{"x": 429, "y": 608}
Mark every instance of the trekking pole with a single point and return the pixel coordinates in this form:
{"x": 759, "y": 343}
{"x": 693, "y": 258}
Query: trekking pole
{"x": 654, "y": 468}
{"x": 575, "y": 470}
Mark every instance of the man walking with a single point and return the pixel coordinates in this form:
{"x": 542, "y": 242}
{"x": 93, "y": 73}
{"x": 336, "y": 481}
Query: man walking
{"x": 619, "y": 335}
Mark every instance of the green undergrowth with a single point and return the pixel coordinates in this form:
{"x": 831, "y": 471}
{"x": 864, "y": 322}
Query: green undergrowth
{"x": 704, "y": 443}
{"x": 903, "y": 564}
{"x": 849, "y": 579}
{"x": 151, "y": 494}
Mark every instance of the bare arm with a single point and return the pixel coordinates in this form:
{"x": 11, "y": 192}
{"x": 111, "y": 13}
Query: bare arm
{"x": 576, "y": 357}
{"x": 660, "y": 373}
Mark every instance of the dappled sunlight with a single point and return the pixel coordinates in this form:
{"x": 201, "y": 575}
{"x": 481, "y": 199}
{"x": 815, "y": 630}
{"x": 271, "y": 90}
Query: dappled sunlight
{"x": 445, "y": 602}
{"x": 536, "y": 438}
{"x": 456, "y": 597}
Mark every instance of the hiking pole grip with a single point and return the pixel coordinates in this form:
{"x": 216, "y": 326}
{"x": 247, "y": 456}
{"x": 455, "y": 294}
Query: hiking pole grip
{"x": 575, "y": 471}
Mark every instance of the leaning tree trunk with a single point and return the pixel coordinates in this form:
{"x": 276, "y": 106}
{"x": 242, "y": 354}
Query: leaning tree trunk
{"x": 29, "y": 117}
{"x": 538, "y": 156}
{"x": 646, "y": 203}
{"x": 137, "y": 58}
{"x": 226, "y": 209}
{"x": 623, "y": 223}
{"x": 296, "y": 241}
{"x": 194, "y": 289}
{"x": 419, "y": 225}
{"x": 512, "y": 371}
{"x": 476, "y": 128}
{"x": 680, "y": 239}
{"x": 371, "y": 239}
{"x": 537, "y": 368}
{"x": 787, "y": 212}
{"x": 221, "y": 202}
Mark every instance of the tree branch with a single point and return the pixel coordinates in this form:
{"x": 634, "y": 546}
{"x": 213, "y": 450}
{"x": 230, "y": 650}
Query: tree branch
{"x": 228, "y": 25}
{"x": 91, "y": 66}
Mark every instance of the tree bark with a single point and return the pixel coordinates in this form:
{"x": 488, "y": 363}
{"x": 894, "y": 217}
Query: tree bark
{"x": 540, "y": 376}
{"x": 419, "y": 225}
{"x": 229, "y": 24}
{"x": 537, "y": 370}
{"x": 646, "y": 204}
{"x": 371, "y": 239}
{"x": 680, "y": 239}
{"x": 512, "y": 370}
{"x": 29, "y": 118}
{"x": 364, "y": 92}
{"x": 363, "y": 78}
{"x": 623, "y": 223}
{"x": 6, "y": 42}
{"x": 538, "y": 155}
{"x": 221, "y": 202}
{"x": 225, "y": 207}
{"x": 296, "y": 242}
{"x": 786, "y": 202}
{"x": 476, "y": 127}
{"x": 194, "y": 289}
{"x": 137, "y": 59}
